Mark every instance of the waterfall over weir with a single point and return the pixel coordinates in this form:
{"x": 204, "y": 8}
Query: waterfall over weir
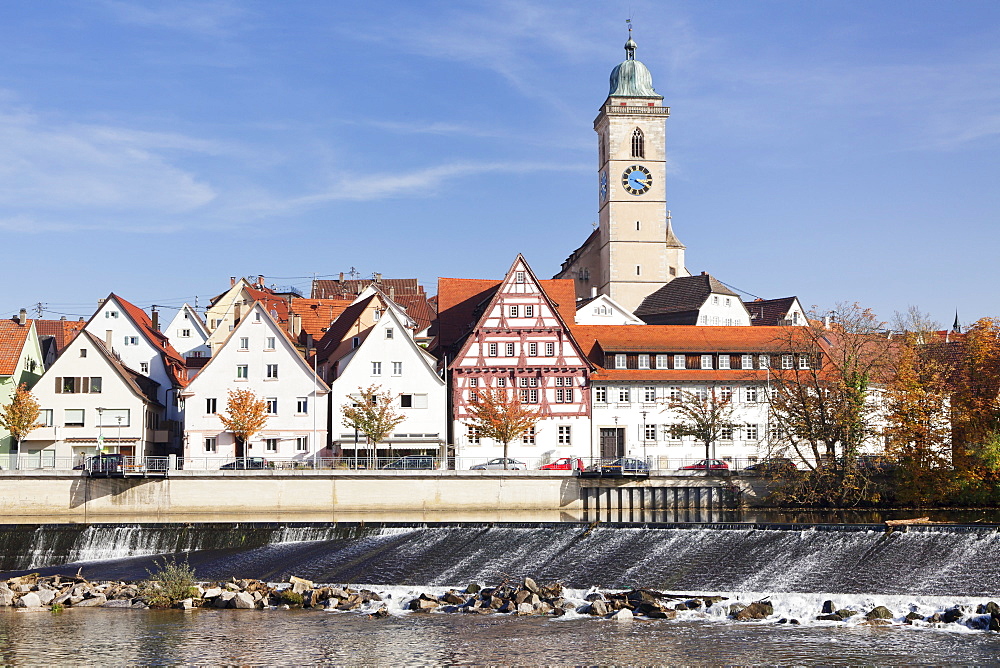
{"x": 938, "y": 560}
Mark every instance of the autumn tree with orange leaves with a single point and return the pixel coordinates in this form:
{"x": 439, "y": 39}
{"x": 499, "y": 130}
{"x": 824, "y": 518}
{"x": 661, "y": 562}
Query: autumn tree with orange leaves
{"x": 20, "y": 416}
{"x": 501, "y": 416}
{"x": 245, "y": 415}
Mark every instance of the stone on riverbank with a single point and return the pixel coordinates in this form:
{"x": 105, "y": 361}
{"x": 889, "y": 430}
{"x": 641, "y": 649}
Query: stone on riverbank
{"x": 879, "y": 612}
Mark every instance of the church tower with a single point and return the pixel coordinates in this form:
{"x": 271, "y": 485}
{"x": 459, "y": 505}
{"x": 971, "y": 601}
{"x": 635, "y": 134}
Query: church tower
{"x": 634, "y": 251}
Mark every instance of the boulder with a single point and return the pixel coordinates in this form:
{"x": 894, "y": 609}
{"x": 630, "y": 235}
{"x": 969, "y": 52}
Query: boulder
{"x": 531, "y": 586}
{"x": 95, "y": 602}
{"x": 623, "y": 615}
{"x": 6, "y": 596}
{"x": 694, "y": 604}
{"x": 300, "y": 585}
{"x": 912, "y": 617}
{"x": 598, "y": 608}
{"x": 952, "y": 615}
{"x": 453, "y": 598}
{"x": 367, "y": 596}
{"x": 832, "y": 617}
{"x": 845, "y": 613}
{"x": 45, "y": 596}
{"x": 525, "y": 609}
{"x": 988, "y": 609}
{"x": 756, "y": 610}
{"x": 381, "y": 612}
{"x": 662, "y": 614}
{"x": 594, "y": 596}
{"x": 211, "y": 593}
{"x": 828, "y": 608}
{"x": 879, "y": 612}
{"x": 472, "y": 589}
{"x": 29, "y": 600}
{"x": 121, "y": 603}
{"x": 243, "y": 601}
{"x": 995, "y": 622}
{"x": 423, "y": 603}
{"x": 223, "y": 599}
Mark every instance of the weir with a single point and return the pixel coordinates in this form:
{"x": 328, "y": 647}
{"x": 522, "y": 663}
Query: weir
{"x": 850, "y": 559}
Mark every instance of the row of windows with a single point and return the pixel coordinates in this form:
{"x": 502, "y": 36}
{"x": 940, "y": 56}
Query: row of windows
{"x": 564, "y": 435}
{"x": 528, "y": 381}
{"x": 648, "y": 394}
{"x": 710, "y": 361}
{"x": 79, "y": 385}
{"x": 397, "y": 368}
{"x": 269, "y": 342}
{"x": 510, "y": 349}
{"x": 270, "y": 444}
{"x": 737, "y": 432}
{"x": 77, "y": 417}
{"x": 243, "y": 371}
{"x": 301, "y": 405}
{"x": 515, "y": 311}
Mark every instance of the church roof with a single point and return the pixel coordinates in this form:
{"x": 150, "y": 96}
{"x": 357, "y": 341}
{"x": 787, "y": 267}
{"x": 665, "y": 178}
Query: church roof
{"x": 687, "y": 293}
{"x": 631, "y": 78}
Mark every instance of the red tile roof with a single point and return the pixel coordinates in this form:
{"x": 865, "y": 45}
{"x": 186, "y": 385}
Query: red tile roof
{"x": 318, "y": 314}
{"x": 460, "y": 298}
{"x": 272, "y": 303}
{"x": 769, "y": 311}
{"x": 62, "y": 331}
{"x": 341, "y": 328}
{"x": 12, "y": 338}
{"x": 172, "y": 360}
{"x": 351, "y": 288}
{"x": 686, "y": 338}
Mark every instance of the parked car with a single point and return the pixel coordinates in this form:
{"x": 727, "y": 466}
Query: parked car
{"x": 245, "y": 463}
{"x": 107, "y": 462}
{"x": 707, "y": 464}
{"x": 564, "y": 464}
{"x": 624, "y": 465}
{"x": 772, "y": 466}
{"x": 411, "y": 462}
{"x": 498, "y": 463}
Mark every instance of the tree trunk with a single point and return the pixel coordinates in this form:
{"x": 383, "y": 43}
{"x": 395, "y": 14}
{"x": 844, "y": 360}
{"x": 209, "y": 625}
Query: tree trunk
{"x": 506, "y": 445}
{"x": 240, "y": 447}
{"x": 708, "y": 447}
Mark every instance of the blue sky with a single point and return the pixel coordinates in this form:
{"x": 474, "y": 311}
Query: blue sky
{"x": 839, "y": 151}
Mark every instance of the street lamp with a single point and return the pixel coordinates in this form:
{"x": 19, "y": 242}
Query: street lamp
{"x": 645, "y": 457}
{"x": 119, "y": 418}
{"x": 100, "y": 429}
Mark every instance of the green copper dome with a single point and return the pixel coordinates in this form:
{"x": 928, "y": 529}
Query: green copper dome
{"x": 631, "y": 78}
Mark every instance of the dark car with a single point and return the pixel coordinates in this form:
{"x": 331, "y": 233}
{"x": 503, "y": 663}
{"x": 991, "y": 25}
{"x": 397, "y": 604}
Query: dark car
{"x": 707, "y": 464}
{"x": 411, "y": 462}
{"x": 107, "y": 462}
{"x": 245, "y": 463}
{"x": 772, "y": 466}
{"x": 624, "y": 465}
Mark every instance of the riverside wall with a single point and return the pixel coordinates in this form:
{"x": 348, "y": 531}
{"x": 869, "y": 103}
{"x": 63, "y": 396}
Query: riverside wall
{"x": 62, "y": 496}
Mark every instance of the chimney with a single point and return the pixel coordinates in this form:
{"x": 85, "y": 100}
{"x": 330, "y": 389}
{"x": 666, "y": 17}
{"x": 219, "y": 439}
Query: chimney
{"x": 109, "y": 336}
{"x": 377, "y": 277}
{"x": 392, "y": 292}
{"x": 260, "y": 281}
{"x": 704, "y": 273}
{"x": 341, "y": 279}
{"x": 593, "y": 292}
{"x": 22, "y": 316}
{"x": 826, "y": 322}
{"x": 100, "y": 302}
{"x": 63, "y": 318}
{"x": 296, "y": 325}
{"x": 232, "y": 281}
{"x": 156, "y": 319}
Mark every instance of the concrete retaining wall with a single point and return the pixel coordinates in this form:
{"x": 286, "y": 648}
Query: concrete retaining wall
{"x": 235, "y": 494}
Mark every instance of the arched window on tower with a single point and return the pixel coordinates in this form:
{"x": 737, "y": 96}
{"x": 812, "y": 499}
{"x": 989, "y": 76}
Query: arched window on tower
{"x": 638, "y": 144}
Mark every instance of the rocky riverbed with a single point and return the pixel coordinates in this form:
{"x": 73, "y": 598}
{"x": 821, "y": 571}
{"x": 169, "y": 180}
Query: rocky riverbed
{"x": 521, "y": 598}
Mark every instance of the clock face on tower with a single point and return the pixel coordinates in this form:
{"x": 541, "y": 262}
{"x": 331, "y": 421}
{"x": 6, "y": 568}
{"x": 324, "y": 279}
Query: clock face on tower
{"x": 604, "y": 185}
{"x": 636, "y": 179}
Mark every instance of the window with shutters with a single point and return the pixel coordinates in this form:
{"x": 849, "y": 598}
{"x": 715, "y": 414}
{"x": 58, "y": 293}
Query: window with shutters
{"x": 649, "y": 432}
{"x": 131, "y": 340}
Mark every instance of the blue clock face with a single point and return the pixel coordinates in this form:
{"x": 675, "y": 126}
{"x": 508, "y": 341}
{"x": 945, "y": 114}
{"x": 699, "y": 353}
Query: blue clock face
{"x": 604, "y": 186}
{"x": 636, "y": 180}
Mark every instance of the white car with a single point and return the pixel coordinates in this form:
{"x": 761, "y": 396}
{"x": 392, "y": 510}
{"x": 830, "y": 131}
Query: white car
{"x": 499, "y": 463}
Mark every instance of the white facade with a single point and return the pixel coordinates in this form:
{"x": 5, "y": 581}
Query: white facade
{"x": 188, "y": 334}
{"x": 82, "y": 396}
{"x": 115, "y": 323}
{"x": 603, "y": 310}
{"x": 258, "y": 357}
{"x": 723, "y": 309}
{"x": 388, "y": 357}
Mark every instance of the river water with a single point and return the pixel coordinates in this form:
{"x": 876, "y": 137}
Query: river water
{"x": 795, "y": 567}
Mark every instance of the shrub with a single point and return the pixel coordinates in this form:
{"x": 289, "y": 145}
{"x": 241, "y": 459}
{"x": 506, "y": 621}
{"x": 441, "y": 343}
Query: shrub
{"x": 57, "y": 607}
{"x": 170, "y": 583}
{"x": 289, "y": 597}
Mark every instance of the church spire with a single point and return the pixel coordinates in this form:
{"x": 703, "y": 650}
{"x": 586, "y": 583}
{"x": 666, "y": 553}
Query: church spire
{"x": 672, "y": 240}
{"x": 957, "y": 326}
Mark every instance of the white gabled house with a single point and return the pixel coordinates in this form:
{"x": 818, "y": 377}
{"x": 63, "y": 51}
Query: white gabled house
{"x": 91, "y": 402}
{"x": 603, "y": 310}
{"x": 131, "y": 336}
{"x": 257, "y": 356}
{"x": 385, "y": 354}
{"x": 188, "y": 334}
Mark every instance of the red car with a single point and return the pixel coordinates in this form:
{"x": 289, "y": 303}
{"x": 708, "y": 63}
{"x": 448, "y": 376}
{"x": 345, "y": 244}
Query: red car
{"x": 563, "y": 464}
{"x": 711, "y": 464}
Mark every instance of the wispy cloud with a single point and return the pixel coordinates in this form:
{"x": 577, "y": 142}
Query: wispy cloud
{"x": 211, "y": 18}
